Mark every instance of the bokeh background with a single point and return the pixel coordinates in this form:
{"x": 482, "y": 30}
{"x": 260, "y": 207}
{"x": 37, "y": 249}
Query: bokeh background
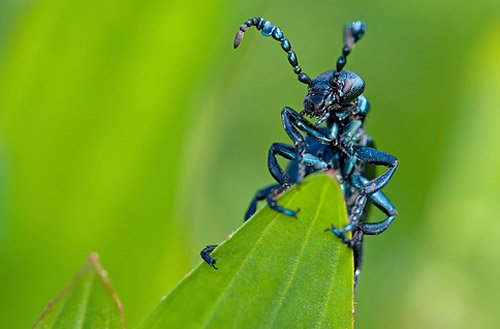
{"x": 133, "y": 129}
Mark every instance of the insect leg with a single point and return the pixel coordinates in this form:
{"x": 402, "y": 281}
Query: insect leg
{"x": 205, "y": 255}
{"x": 384, "y": 204}
{"x": 367, "y": 189}
{"x": 271, "y": 201}
{"x": 288, "y": 152}
{"x": 272, "y": 192}
{"x": 357, "y": 249}
{"x": 378, "y": 158}
{"x": 380, "y": 200}
{"x": 356, "y": 244}
{"x": 293, "y": 124}
{"x": 259, "y": 196}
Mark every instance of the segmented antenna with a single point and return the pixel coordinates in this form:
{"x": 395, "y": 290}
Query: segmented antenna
{"x": 353, "y": 32}
{"x": 267, "y": 29}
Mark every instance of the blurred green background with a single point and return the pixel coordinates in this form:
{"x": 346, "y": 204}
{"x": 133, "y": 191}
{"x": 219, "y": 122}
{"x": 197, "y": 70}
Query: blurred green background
{"x": 133, "y": 129}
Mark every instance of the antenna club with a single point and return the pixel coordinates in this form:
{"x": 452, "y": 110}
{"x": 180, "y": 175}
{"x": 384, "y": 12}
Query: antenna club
{"x": 353, "y": 32}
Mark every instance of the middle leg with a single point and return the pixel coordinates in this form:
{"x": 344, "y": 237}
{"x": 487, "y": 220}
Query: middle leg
{"x": 259, "y": 196}
{"x": 284, "y": 180}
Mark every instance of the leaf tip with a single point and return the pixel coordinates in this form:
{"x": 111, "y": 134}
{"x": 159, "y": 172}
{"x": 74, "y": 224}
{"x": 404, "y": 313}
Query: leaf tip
{"x": 96, "y": 265}
{"x": 94, "y": 257}
{"x": 94, "y": 261}
{"x": 92, "y": 267}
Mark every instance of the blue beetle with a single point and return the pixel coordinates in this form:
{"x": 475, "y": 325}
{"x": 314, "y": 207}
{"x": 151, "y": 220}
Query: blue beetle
{"x": 333, "y": 138}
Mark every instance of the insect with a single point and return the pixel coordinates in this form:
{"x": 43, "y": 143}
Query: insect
{"x": 333, "y": 138}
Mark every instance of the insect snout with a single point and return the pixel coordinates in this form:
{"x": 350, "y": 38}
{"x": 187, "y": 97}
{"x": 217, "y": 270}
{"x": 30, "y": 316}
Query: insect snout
{"x": 314, "y": 102}
{"x": 318, "y": 101}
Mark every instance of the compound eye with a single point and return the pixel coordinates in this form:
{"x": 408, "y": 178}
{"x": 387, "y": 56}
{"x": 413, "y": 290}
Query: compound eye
{"x": 352, "y": 89}
{"x": 347, "y": 86}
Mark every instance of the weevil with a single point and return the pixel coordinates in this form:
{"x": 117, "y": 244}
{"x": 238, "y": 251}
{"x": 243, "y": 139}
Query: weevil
{"x": 328, "y": 135}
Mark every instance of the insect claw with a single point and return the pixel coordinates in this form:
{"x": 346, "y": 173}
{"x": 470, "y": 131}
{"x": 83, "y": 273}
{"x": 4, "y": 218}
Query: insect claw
{"x": 329, "y": 228}
{"x": 213, "y": 264}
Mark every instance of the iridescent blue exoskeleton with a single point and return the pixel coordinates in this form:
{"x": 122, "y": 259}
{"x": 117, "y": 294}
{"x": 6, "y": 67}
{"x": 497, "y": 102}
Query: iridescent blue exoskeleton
{"x": 335, "y": 141}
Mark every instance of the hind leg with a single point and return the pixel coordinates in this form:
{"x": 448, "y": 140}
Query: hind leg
{"x": 360, "y": 229}
{"x": 380, "y": 200}
{"x": 367, "y": 188}
{"x": 370, "y": 228}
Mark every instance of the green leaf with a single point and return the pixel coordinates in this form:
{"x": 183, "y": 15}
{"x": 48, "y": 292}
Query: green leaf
{"x": 87, "y": 302}
{"x": 274, "y": 272}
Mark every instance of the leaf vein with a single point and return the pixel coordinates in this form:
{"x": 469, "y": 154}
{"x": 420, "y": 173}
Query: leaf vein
{"x": 299, "y": 257}
{"x": 243, "y": 263}
{"x": 82, "y": 310}
{"x": 330, "y": 289}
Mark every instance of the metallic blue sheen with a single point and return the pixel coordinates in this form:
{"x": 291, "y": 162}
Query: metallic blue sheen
{"x": 268, "y": 28}
{"x": 292, "y": 58}
{"x": 277, "y": 33}
{"x": 285, "y": 45}
{"x": 335, "y": 141}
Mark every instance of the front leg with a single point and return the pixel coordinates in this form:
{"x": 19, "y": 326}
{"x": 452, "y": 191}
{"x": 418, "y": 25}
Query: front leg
{"x": 294, "y": 123}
